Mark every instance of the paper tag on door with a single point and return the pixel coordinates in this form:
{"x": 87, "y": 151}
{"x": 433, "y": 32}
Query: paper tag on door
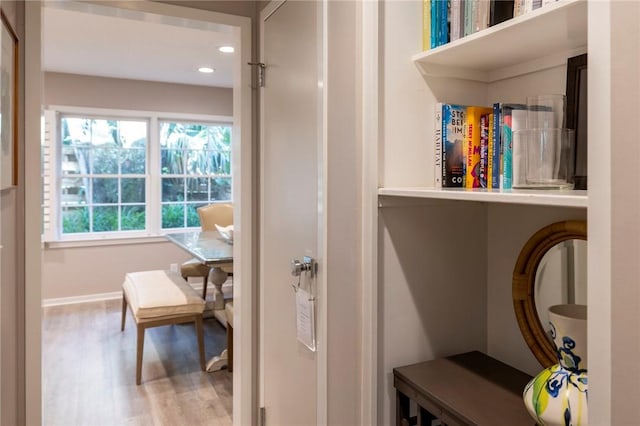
{"x": 305, "y": 319}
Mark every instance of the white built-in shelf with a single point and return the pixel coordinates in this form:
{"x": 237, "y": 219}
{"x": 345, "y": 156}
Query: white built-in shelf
{"x": 513, "y": 196}
{"x": 538, "y": 40}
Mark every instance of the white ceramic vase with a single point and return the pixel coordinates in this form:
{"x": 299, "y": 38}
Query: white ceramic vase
{"x": 558, "y": 394}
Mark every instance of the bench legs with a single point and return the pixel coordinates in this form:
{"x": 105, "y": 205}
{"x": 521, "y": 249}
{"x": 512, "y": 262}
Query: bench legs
{"x": 142, "y": 326}
{"x": 139, "y": 352}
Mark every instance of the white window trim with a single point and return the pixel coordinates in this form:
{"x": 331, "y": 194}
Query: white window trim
{"x": 53, "y": 236}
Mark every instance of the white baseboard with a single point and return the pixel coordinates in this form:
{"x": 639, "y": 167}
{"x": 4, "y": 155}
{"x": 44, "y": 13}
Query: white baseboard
{"x": 59, "y": 301}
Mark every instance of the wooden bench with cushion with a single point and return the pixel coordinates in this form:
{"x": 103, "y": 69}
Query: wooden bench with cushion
{"x": 159, "y": 298}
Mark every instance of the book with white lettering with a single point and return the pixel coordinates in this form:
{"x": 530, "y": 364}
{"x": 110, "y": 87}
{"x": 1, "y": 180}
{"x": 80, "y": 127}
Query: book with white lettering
{"x": 453, "y": 119}
{"x": 471, "y": 147}
{"x": 484, "y": 150}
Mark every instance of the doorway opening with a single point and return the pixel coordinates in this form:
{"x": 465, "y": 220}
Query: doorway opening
{"x": 176, "y": 18}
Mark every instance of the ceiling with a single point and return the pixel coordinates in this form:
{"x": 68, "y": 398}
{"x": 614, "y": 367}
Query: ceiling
{"x": 84, "y": 43}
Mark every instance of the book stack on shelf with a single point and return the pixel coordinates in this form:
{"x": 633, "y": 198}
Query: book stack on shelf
{"x": 474, "y": 145}
{"x": 445, "y": 21}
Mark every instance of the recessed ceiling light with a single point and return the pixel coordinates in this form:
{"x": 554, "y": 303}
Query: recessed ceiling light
{"x": 226, "y": 49}
{"x": 206, "y": 70}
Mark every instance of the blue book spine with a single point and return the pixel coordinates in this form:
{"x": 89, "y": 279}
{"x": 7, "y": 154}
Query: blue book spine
{"x": 497, "y": 164}
{"x": 444, "y": 21}
{"x": 507, "y": 150}
{"x": 434, "y": 23}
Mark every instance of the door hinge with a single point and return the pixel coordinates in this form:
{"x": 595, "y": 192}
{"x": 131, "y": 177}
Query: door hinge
{"x": 262, "y": 417}
{"x": 261, "y": 66}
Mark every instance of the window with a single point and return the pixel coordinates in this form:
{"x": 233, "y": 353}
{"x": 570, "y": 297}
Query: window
{"x": 103, "y": 174}
{"x": 196, "y": 170}
{"x": 127, "y": 173}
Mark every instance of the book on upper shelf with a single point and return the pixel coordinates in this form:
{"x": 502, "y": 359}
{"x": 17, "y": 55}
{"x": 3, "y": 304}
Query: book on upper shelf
{"x": 500, "y": 11}
{"x": 452, "y": 133}
{"x": 443, "y": 22}
{"x": 426, "y": 25}
{"x": 456, "y": 28}
{"x": 471, "y": 148}
{"x": 481, "y": 15}
{"x": 470, "y": 7}
{"x": 439, "y": 22}
{"x": 521, "y": 7}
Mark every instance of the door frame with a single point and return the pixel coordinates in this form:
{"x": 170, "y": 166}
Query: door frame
{"x": 244, "y": 377}
{"x": 321, "y": 281}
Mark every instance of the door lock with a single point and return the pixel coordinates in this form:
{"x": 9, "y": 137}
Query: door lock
{"x": 308, "y": 264}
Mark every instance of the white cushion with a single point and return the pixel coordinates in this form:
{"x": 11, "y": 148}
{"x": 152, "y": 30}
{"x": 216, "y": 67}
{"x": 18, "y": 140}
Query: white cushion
{"x": 160, "y": 293}
{"x": 194, "y": 268}
{"x": 228, "y": 310}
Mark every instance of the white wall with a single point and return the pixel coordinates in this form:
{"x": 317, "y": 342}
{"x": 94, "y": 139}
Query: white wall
{"x": 83, "y": 271}
{"x": 117, "y": 93}
{"x": 343, "y": 216}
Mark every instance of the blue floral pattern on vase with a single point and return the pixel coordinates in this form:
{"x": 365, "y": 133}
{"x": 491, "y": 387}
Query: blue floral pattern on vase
{"x": 558, "y": 395}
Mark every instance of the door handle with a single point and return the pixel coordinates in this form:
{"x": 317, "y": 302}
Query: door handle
{"x": 308, "y": 264}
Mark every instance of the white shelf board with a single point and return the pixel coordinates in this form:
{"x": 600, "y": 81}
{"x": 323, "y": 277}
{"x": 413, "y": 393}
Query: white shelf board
{"x": 537, "y": 40}
{"x": 565, "y": 198}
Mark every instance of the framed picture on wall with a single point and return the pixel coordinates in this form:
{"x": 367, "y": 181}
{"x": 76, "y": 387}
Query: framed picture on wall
{"x": 8, "y": 105}
{"x": 577, "y": 114}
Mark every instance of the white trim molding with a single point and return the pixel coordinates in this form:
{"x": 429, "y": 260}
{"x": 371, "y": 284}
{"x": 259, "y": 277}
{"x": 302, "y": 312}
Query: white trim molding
{"x": 370, "y": 132}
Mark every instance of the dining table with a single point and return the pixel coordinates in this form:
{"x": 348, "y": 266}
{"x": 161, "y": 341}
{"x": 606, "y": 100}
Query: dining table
{"x": 212, "y": 249}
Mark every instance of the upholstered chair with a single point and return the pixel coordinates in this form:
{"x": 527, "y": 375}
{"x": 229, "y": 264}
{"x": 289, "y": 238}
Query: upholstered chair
{"x": 210, "y": 216}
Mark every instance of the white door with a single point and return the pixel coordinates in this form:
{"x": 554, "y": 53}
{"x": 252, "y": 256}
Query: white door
{"x": 290, "y": 215}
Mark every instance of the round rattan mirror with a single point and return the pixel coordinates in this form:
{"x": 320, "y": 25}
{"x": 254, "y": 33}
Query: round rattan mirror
{"x": 525, "y": 284}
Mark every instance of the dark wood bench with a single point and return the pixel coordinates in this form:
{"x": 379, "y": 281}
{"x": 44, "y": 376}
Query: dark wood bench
{"x": 466, "y": 389}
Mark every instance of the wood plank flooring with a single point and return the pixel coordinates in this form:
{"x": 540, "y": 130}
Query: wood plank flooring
{"x": 89, "y": 371}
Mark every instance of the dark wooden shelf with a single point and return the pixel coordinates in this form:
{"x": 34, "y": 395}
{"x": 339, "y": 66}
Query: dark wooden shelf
{"x": 466, "y": 389}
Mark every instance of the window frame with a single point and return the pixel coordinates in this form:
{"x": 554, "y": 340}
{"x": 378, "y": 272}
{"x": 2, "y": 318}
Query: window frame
{"x": 153, "y": 176}
{"x": 187, "y": 176}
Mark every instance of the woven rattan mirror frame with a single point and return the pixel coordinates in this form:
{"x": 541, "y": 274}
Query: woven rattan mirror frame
{"x": 524, "y": 279}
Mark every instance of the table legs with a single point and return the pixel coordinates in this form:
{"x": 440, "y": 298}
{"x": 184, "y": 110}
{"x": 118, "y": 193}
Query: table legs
{"x": 218, "y": 277}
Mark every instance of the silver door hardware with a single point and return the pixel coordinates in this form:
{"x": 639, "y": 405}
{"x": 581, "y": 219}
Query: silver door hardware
{"x": 261, "y": 66}
{"x": 308, "y": 264}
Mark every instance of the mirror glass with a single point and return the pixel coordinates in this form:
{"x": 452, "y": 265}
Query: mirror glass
{"x": 550, "y": 270}
{"x": 561, "y": 278}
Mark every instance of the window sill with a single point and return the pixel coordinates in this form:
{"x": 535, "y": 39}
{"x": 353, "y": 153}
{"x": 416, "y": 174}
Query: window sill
{"x": 120, "y": 241}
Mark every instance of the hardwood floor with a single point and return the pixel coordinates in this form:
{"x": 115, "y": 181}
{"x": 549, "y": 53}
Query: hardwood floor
{"x": 89, "y": 371}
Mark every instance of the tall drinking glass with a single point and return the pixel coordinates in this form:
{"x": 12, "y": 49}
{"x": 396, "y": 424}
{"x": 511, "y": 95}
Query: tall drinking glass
{"x": 546, "y": 111}
{"x": 549, "y": 157}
